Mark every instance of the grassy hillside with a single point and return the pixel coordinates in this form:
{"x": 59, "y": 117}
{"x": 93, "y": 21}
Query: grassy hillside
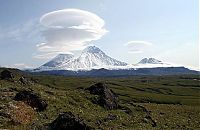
{"x": 182, "y": 89}
{"x": 155, "y": 102}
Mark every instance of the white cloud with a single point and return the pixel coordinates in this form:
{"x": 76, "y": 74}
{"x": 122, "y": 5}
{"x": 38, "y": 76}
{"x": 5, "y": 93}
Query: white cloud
{"x": 68, "y": 30}
{"x": 138, "y": 46}
{"x": 20, "y": 66}
{"x": 48, "y": 55}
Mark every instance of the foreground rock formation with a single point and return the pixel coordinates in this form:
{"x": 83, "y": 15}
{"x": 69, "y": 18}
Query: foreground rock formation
{"x": 67, "y": 121}
{"x": 32, "y": 99}
{"x": 107, "y": 98}
{"x": 7, "y": 75}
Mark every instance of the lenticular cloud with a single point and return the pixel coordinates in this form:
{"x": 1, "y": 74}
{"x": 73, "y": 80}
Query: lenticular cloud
{"x": 138, "y": 46}
{"x": 70, "y": 29}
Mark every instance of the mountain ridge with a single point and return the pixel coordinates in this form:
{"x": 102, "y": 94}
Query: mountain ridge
{"x": 91, "y": 57}
{"x": 122, "y": 72}
{"x": 94, "y": 60}
{"x": 59, "y": 59}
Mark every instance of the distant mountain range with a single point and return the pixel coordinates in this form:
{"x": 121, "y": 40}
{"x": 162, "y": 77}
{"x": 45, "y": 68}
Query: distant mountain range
{"x": 94, "y": 62}
{"x": 122, "y": 72}
{"x": 90, "y": 58}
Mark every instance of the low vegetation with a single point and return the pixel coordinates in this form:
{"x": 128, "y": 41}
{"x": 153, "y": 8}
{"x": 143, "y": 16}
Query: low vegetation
{"x": 144, "y": 102}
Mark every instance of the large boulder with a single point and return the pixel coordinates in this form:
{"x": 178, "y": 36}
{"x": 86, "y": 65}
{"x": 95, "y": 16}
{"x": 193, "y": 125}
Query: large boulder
{"x": 67, "y": 121}
{"x": 106, "y": 97}
{"x": 32, "y": 99}
{"x": 6, "y": 74}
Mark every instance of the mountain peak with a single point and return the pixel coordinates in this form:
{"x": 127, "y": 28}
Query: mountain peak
{"x": 63, "y": 57}
{"x": 150, "y": 61}
{"x": 92, "y": 49}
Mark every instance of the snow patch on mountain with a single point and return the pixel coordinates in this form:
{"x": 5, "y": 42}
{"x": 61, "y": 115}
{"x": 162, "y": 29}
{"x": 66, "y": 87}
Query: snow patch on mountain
{"x": 57, "y": 61}
{"x": 153, "y": 63}
{"x": 90, "y": 58}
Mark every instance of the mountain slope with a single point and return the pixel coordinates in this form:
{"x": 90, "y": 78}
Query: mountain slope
{"x": 92, "y": 57}
{"x": 57, "y": 61}
{"x": 150, "y": 61}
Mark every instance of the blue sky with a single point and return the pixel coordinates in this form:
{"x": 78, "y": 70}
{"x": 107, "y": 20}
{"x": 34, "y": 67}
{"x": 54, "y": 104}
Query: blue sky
{"x": 164, "y": 29}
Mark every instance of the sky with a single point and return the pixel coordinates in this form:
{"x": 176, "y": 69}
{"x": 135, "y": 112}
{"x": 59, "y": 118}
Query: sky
{"x": 32, "y": 32}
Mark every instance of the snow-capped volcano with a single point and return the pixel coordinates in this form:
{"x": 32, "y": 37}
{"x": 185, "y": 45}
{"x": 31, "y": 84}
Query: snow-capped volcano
{"x": 150, "y": 61}
{"x": 91, "y": 57}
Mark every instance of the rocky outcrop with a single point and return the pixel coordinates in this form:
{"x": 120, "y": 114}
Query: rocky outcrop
{"x": 24, "y": 81}
{"x": 32, "y": 99}
{"x": 67, "y": 121}
{"x": 106, "y": 97}
{"x": 7, "y": 75}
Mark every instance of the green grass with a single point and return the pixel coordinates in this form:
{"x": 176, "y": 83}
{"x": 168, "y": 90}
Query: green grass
{"x": 174, "y": 98}
{"x": 155, "y": 89}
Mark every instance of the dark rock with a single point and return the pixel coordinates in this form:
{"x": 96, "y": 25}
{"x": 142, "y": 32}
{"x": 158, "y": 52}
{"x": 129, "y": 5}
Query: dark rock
{"x": 148, "y": 119}
{"x": 32, "y": 99}
{"x": 67, "y": 121}
{"x": 4, "y": 114}
{"x": 24, "y": 81}
{"x": 97, "y": 89}
{"x": 162, "y": 113}
{"x": 110, "y": 117}
{"x": 107, "y": 98}
{"x": 108, "y": 103}
{"x": 6, "y": 74}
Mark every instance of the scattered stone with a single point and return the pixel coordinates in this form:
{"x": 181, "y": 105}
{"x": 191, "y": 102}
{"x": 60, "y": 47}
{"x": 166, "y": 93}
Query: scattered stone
{"x": 49, "y": 92}
{"x": 109, "y": 117}
{"x": 107, "y": 98}
{"x": 7, "y": 75}
{"x": 125, "y": 109}
{"x": 162, "y": 113}
{"x": 32, "y": 99}
{"x": 67, "y": 121}
{"x": 4, "y": 114}
{"x": 148, "y": 119}
{"x": 24, "y": 81}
